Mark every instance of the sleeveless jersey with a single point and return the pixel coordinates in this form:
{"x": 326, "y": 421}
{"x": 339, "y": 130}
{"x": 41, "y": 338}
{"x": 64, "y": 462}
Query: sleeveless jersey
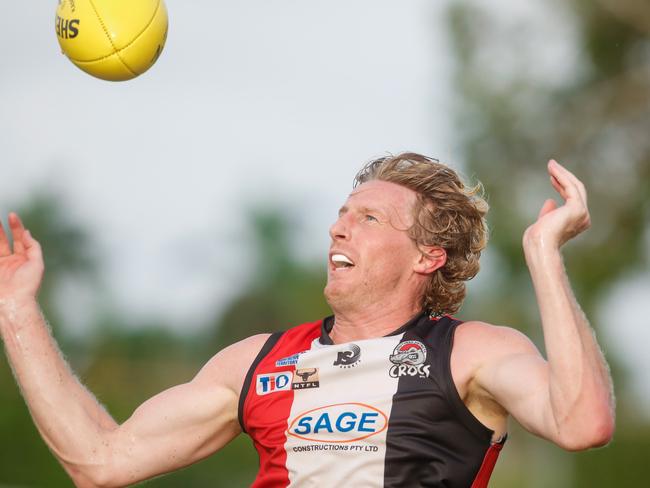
{"x": 369, "y": 413}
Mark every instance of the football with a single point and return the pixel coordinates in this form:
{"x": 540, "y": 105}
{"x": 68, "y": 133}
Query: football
{"x": 114, "y": 40}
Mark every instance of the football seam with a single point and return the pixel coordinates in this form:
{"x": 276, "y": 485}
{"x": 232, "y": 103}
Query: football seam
{"x": 115, "y": 50}
{"x": 101, "y": 21}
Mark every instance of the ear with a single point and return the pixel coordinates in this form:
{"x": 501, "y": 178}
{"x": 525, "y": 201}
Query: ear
{"x": 431, "y": 258}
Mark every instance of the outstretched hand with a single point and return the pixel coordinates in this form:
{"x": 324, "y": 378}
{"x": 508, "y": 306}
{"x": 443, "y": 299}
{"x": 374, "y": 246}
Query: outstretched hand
{"x": 21, "y": 269}
{"x": 556, "y": 225}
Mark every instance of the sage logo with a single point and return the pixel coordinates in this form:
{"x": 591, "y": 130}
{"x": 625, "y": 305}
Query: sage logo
{"x": 349, "y": 357}
{"x": 272, "y": 382}
{"x": 408, "y": 360}
{"x": 338, "y": 423}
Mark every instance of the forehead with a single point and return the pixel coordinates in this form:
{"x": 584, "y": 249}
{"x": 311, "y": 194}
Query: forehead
{"x": 383, "y": 195}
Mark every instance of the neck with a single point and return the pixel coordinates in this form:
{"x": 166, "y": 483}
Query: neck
{"x": 368, "y": 324}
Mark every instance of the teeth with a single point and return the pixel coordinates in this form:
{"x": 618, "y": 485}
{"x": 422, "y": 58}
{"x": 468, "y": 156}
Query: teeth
{"x": 341, "y": 259}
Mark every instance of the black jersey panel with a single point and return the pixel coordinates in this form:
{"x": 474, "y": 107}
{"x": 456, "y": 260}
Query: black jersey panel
{"x": 426, "y": 445}
{"x": 482, "y": 433}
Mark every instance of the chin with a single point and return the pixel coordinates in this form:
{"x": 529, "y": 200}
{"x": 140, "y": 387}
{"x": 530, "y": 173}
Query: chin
{"x": 341, "y": 301}
{"x": 329, "y": 292}
{"x": 335, "y": 296}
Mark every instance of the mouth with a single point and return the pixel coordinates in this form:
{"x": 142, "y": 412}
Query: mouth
{"x": 341, "y": 261}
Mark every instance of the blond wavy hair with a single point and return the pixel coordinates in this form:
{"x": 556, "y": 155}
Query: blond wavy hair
{"x": 447, "y": 214}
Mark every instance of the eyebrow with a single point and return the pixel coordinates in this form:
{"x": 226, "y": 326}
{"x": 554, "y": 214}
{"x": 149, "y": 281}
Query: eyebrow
{"x": 363, "y": 210}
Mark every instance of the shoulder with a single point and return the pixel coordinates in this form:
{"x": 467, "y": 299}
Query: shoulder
{"x": 485, "y": 342}
{"x": 246, "y": 347}
{"x": 488, "y": 363}
{"x": 243, "y": 351}
{"x": 504, "y": 338}
{"x": 229, "y": 366}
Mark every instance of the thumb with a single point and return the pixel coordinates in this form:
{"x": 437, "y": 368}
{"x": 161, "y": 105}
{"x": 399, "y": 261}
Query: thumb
{"x": 32, "y": 247}
{"x": 549, "y": 206}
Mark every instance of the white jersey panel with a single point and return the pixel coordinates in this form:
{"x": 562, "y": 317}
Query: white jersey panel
{"x": 337, "y": 426}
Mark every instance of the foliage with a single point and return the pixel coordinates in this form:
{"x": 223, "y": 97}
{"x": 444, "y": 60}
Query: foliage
{"x": 510, "y": 119}
{"x": 124, "y": 366}
{"x": 593, "y": 114}
{"x": 283, "y": 291}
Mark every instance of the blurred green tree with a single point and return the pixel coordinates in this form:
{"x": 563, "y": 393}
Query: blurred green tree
{"x": 284, "y": 291}
{"x": 68, "y": 254}
{"x": 573, "y": 84}
{"x": 124, "y": 363}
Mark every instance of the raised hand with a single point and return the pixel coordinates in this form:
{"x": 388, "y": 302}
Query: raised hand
{"x": 556, "y": 225}
{"x": 21, "y": 269}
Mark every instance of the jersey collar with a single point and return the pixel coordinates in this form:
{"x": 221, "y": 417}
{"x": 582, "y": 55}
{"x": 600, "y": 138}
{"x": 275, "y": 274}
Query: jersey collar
{"x": 328, "y": 323}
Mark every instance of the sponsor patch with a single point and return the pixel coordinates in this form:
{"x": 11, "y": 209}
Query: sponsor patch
{"x": 289, "y": 360}
{"x": 338, "y": 423}
{"x": 305, "y": 378}
{"x": 348, "y": 357}
{"x": 408, "y": 359}
{"x": 273, "y": 382}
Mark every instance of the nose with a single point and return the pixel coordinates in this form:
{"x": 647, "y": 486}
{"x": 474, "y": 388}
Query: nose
{"x": 340, "y": 229}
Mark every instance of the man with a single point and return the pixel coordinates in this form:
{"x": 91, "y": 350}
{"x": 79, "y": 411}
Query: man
{"x": 389, "y": 391}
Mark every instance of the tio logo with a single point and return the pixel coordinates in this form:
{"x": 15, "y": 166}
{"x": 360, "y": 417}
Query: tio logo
{"x": 272, "y": 382}
{"x": 67, "y": 29}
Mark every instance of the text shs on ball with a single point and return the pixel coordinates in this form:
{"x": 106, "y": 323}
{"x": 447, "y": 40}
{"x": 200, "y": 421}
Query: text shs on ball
{"x": 67, "y": 28}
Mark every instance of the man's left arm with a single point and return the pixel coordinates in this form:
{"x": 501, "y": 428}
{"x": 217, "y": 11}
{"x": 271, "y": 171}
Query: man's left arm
{"x": 567, "y": 399}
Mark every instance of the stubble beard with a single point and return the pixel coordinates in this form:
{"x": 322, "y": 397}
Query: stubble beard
{"x": 346, "y": 300}
{"x": 338, "y": 300}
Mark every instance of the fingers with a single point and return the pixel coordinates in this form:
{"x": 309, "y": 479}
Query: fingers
{"x": 5, "y": 249}
{"x": 23, "y": 243}
{"x": 571, "y": 185}
{"x": 17, "y": 231}
{"x": 573, "y": 191}
{"x": 32, "y": 247}
{"x": 558, "y": 187}
{"x": 549, "y": 206}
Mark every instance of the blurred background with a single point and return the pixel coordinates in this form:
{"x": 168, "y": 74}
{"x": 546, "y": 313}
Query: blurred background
{"x": 189, "y": 208}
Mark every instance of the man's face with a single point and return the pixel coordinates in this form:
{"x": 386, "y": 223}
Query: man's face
{"x": 372, "y": 257}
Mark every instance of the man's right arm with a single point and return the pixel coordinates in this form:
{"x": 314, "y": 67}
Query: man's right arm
{"x": 173, "y": 429}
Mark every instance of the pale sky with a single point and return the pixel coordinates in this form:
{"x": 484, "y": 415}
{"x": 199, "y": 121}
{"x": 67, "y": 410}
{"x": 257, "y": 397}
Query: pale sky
{"x": 251, "y": 101}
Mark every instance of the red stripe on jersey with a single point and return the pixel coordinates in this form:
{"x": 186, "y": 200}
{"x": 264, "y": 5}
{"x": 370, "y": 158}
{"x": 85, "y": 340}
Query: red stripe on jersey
{"x": 264, "y": 413}
{"x": 485, "y": 471}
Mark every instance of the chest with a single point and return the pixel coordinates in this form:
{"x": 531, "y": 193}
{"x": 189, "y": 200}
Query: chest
{"x": 383, "y": 412}
{"x": 347, "y": 393}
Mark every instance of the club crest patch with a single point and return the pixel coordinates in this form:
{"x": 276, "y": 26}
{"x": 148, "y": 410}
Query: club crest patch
{"x": 408, "y": 359}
